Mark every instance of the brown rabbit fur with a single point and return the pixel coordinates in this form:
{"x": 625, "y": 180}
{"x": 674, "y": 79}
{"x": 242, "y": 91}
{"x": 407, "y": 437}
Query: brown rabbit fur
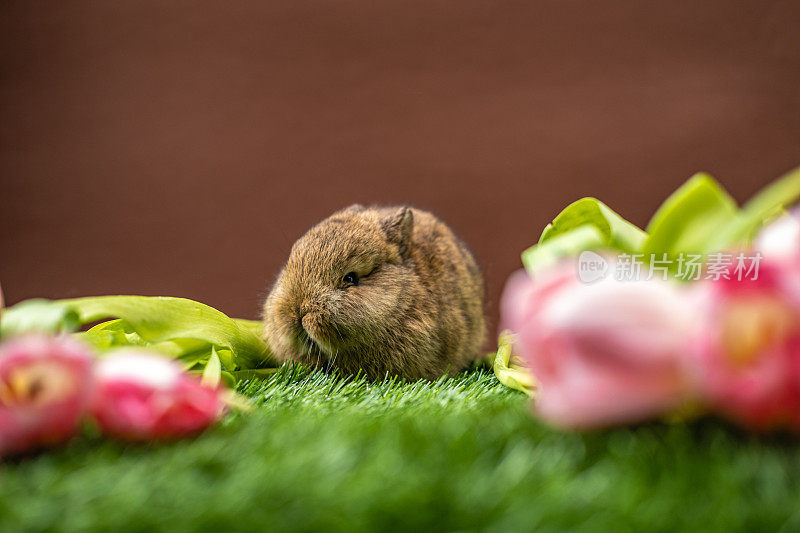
{"x": 384, "y": 290}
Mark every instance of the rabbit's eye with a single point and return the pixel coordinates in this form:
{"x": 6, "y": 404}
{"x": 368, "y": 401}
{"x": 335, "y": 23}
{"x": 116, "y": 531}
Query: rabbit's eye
{"x": 350, "y": 279}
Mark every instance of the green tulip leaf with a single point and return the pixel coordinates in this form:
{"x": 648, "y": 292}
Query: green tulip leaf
{"x": 546, "y": 254}
{"x": 212, "y": 375}
{"x": 228, "y": 379}
{"x": 38, "y": 315}
{"x": 509, "y": 371}
{"x": 112, "y": 334}
{"x": 163, "y": 319}
{"x": 781, "y": 193}
{"x": 690, "y": 219}
{"x": 763, "y": 207}
{"x": 617, "y": 233}
{"x": 176, "y": 327}
{"x": 254, "y": 326}
{"x": 117, "y": 333}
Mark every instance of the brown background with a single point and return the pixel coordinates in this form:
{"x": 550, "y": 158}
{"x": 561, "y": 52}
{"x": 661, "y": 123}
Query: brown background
{"x": 180, "y": 149}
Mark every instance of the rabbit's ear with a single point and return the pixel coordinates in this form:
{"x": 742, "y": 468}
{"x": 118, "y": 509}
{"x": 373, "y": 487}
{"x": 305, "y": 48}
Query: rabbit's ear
{"x": 399, "y": 227}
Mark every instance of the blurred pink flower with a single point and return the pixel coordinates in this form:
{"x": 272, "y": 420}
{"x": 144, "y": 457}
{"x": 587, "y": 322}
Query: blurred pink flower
{"x": 45, "y": 385}
{"x": 142, "y": 396}
{"x": 780, "y": 240}
{"x": 605, "y": 353}
{"x": 749, "y": 347}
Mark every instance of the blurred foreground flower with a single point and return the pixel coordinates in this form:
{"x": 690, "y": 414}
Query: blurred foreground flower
{"x": 45, "y": 384}
{"x": 607, "y": 353}
{"x": 780, "y": 240}
{"x": 749, "y": 347}
{"x": 142, "y": 396}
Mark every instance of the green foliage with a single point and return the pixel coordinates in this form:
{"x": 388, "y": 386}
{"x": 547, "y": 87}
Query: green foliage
{"x": 176, "y": 327}
{"x": 616, "y": 231}
{"x": 688, "y": 220}
{"x": 699, "y": 218}
{"x": 322, "y": 453}
{"x": 162, "y": 319}
{"x": 587, "y": 224}
{"x": 212, "y": 375}
{"x": 541, "y": 256}
{"x": 763, "y": 207}
{"x": 510, "y": 370}
{"x": 38, "y": 315}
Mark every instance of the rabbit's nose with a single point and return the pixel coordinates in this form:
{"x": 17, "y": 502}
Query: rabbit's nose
{"x": 304, "y": 315}
{"x": 307, "y": 321}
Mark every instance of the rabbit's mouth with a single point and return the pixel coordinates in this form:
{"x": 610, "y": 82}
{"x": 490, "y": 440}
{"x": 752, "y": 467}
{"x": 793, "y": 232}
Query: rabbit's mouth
{"x": 311, "y": 346}
{"x": 316, "y": 335}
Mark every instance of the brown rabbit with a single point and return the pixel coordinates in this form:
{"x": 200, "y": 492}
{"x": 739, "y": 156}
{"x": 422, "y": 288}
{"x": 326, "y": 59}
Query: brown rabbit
{"x": 388, "y": 291}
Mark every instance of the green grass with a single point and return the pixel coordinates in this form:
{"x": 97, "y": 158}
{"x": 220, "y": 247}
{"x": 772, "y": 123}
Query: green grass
{"x": 321, "y": 453}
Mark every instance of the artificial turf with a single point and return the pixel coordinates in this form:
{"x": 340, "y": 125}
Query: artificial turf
{"x": 322, "y": 453}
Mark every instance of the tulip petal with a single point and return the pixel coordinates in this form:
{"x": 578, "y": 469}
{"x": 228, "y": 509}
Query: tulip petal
{"x": 144, "y": 396}
{"x": 606, "y": 353}
{"x": 45, "y": 385}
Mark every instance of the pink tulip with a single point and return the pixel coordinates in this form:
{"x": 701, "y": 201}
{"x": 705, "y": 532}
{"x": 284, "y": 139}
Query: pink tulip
{"x": 749, "y": 348}
{"x": 143, "y": 396}
{"x": 45, "y": 384}
{"x": 780, "y": 240}
{"x": 604, "y": 353}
